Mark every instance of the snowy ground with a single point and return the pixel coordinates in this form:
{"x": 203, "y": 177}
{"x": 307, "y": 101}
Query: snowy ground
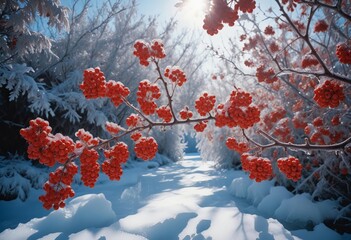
{"x": 185, "y": 200}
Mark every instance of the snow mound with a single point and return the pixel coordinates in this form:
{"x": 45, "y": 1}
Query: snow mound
{"x": 302, "y": 212}
{"x": 87, "y": 211}
{"x": 257, "y": 191}
{"x": 294, "y": 211}
{"x": 272, "y": 201}
{"x": 320, "y": 232}
{"x": 107, "y": 233}
{"x": 239, "y": 186}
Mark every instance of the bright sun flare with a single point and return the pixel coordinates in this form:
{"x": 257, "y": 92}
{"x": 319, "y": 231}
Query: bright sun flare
{"x": 193, "y": 11}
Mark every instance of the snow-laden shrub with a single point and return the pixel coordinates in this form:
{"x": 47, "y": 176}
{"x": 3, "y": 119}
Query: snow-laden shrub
{"x": 170, "y": 142}
{"x": 211, "y": 145}
{"x": 18, "y": 176}
{"x": 301, "y": 211}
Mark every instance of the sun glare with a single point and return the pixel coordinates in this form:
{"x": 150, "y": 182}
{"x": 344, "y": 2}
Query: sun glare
{"x": 193, "y": 11}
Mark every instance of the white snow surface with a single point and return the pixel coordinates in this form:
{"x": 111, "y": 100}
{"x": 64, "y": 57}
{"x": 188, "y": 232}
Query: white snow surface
{"x": 190, "y": 199}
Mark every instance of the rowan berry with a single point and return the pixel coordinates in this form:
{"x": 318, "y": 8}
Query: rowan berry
{"x": 135, "y": 136}
{"x": 267, "y": 76}
{"x": 165, "y": 113}
{"x": 146, "y": 96}
{"x": 221, "y": 13}
{"x": 175, "y": 74}
{"x": 321, "y": 26}
{"x": 94, "y": 84}
{"x": 57, "y": 150}
{"x": 118, "y": 153}
{"x": 86, "y": 138}
{"x": 329, "y": 94}
{"x": 146, "y": 148}
{"x": 112, "y": 128}
{"x": 185, "y": 113}
{"x": 133, "y": 120}
{"x": 232, "y": 144}
{"x": 269, "y": 30}
{"x": 343, "y": 52}
{"x": 89, "y": 167}
{"x": 259, "y": 169}
{"x": 291, "y": 167}
{"x": 144, "y": 51}
{"x": 205, "y": 103}
{"x": 116, "y": 91}
{"x": 309, "y": 61}
{"x": 335, "y": 121}
{"x": 200, "y": 127}
{"x": 246, "y": 6}
{"x": 113, "y": 170}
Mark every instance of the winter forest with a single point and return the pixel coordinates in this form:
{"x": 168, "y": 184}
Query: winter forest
{"x": 175, "y": 119}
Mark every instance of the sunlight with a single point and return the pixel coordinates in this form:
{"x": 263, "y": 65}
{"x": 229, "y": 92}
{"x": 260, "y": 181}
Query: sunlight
{"x": 193, "y": 11}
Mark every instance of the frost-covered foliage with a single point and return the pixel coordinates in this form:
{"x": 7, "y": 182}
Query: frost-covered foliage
{"x": 18, "y": 177}
{"x": 211, "y": 144}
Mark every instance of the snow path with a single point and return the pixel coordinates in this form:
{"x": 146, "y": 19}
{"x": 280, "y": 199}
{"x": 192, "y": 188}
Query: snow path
{"x": 185, "y": 200}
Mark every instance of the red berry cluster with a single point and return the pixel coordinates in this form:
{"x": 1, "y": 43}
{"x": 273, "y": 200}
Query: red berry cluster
{"x": 273, "y": 47}
{"x": 205, "y": 103}
{"x": 115, "y": 156}
{"x": 55, "y": 195}
{"x": 251, "y": 43}
{"x": 291, "y": 167}
{"x": 232, "y": 144}
{"x": 86, "y": 139}
{"x": 246, "y": 6}
{"x": 44, "y": 146}
{"x": 220, "y": 13}
{"x": 94, "y": 84}
{"x": 112, "y": 128}
{"x": 135, "y": 136}
{"x": 146, "y": 148}
{"x": 146, "y": 95}
{"x": 58, "y": 150}
{"x": 269, "y": 30}
{"x": 237, "y": 111}
{"x": 309, "y": 61}
{"x": 335, "y": 121}
{"x": 249, "y": 63}
{"x": 317, "y": 122}
{"x": 157, "y": 49}
{"x": 291, "y": 4}
{"x": 260, "y": 169}
{"x": 58, "y": 187}
{"x": 329, "y": 94}
{"x": 145, "y": 51}
{"x": 165, "y": 113}
{"x": 343, "y": 52}
{"x": 185, "y": 113}
{"x": 133, "y": 120}
{"x": 200, "y": 127}
{"x": 267, "y": 76}
{"x": 320, "y": 26}
{"x": 176, "y": 75}
{"x": 274, "y": 116}
{"x": 63, "y": 174}
{"x": 245, "y": 161}
{"x": 116, "y": 91}
{"x": 37, "y": 136}
{"x": 89, "y": 167}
